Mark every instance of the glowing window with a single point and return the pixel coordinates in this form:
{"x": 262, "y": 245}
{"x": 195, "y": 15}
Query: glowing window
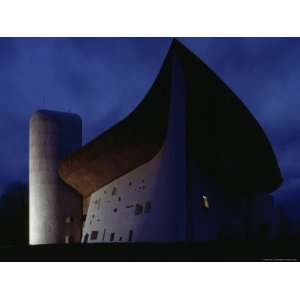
{"x": 68, "y": 220}
{"x": 204, "y": 202}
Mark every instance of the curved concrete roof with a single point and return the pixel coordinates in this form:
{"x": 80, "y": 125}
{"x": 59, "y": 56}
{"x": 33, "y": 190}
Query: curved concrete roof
{"x": 127, "y": 145}
{"x": 224, "y": 139}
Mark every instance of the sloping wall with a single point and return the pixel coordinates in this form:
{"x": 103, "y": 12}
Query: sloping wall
{"x": 148, "y": 203}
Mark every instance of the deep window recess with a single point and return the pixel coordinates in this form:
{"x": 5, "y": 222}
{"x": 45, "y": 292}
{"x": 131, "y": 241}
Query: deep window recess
{"x": 86, "y": 238}
{"x": 112, "y": 236}
{"x": 104, "y": 231}
{"x": 114, "y": 191}
{"x": 147, "y": 207}
{"x": 119, "y": 199}
{"x": 138, "y": 209}
{"x": 69, "y": 239}
{"x": 115, "y": 209}
{"x": 94, "y": 235}
{"x": 120, "y": 238}
{"x": 130, "y": 235}
{"x": 130, "y": 183}
{"x": 204, "y": 202}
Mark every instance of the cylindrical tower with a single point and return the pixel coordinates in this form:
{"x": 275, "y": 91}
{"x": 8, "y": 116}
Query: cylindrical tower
{"x": 55, "y": 209}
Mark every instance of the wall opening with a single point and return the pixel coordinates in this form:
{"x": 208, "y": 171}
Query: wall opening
{"x": 94, "y": 235}
{"x": 69, "y": 239}
{"x": 86, "y": 238}
{"x": 68, "y": 220}
{"x": 114, "y": 191}
{"x": 83, "y": 218}
{"x": 204, "y": 202}
{"x": 112, "y": 236}
{"x": 103, "y": 236}
{"x": 138, "y": 209}
{"x": 130, "y": 235}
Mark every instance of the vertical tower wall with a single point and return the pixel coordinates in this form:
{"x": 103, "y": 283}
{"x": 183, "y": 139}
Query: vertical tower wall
{"x": 54, "y": 208}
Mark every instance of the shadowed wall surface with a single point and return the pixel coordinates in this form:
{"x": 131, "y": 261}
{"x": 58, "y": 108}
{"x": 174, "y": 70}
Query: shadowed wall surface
{"x": 223, "y": 137}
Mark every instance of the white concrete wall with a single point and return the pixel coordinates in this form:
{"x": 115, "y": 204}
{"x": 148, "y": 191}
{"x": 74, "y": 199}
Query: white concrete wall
{"x": 160, "y": 182}
{"x": 52, "y": 137}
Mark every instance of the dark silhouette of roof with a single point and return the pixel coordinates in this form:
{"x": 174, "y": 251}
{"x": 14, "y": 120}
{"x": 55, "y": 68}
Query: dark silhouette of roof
{"x": 223, "y": 138}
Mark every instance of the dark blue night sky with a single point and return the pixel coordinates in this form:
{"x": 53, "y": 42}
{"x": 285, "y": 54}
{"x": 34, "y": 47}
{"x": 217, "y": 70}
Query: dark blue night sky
{"x": 103, "y": 79}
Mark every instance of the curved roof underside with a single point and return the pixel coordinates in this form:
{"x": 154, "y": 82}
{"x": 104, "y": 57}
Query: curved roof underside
{"x": 224, "y": 139}
{"x": 127, "y": 145}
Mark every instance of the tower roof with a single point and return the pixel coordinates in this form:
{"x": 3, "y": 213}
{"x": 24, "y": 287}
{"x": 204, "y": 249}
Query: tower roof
{"x": 223, "y": 138}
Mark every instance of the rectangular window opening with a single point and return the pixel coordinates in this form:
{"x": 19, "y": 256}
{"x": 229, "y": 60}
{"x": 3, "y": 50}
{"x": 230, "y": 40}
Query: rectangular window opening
{"x": 130, "y": 235}
{"x": 103, "y": 237}
{"x": 138, "y": 209}
{"x": 112, "y": 236}
{"x": 94, "y": 235}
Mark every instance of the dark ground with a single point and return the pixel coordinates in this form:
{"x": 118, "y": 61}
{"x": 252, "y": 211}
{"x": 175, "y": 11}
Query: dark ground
{"x": 285, "y": 250}
{"x": 14, "y": 241}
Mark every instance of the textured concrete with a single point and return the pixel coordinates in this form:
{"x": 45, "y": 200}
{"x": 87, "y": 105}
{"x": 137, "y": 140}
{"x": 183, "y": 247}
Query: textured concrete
{"x": 53, "y": 136}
